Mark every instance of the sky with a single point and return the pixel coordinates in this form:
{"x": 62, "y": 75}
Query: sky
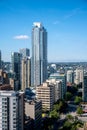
{"x": 64, "y": 20}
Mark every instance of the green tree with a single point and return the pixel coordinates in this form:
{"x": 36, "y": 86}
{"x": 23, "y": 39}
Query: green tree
{"x": 79, "y": 110}
{"x": 77, "y": 99}
{"x": 54, "y": 114}
{"x": 56, "y": 107}
{"x": 67, "y": 125}
{"x": 70, "y": 117}
{"x": 68, "y": 96}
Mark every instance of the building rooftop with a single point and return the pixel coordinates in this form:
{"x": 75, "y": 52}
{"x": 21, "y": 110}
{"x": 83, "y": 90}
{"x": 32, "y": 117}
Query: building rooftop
{"x": 57, "y": 74}
{"x": 10, "y": 93}
{"x": 32, "y": 102}
{"x": 38, "y": 24}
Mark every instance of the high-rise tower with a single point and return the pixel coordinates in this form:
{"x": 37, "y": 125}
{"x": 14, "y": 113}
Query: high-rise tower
{"x": 25, "y": 52}
{"x": 39, "y": 55}
{"x": 16, "y": 68}
{"x": 25, "y": 73}
{"x": 11, "y": 110}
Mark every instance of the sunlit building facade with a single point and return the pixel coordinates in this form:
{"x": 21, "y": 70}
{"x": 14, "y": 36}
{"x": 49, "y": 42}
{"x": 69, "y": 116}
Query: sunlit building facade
{"x": 39, "y": 55}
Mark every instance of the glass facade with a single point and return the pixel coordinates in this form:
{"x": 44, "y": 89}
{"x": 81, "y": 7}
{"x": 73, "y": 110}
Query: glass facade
{"x": 39, "y": 55}
{"x": 16, "y": 68}
{"x": 25, "y": 52}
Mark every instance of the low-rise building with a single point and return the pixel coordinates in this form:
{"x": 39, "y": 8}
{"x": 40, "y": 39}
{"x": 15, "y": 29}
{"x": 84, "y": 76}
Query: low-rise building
{"x": 33, "y": 110}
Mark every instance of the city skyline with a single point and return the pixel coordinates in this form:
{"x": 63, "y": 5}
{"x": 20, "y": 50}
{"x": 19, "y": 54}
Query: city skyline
{"x": 64, "y": 20}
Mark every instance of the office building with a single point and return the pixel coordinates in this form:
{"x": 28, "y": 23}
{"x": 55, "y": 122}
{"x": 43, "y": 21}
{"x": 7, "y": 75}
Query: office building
{"x": 16, "y": 69}
{"x": 25, "y": 73}
{"x": 25, "y": 52}
{"x": 11, "y": 110}
{"x": 62, "y": 78}
{"x": 39, "y": 55}
{"x": 33, "y": 110}
{"x": 46, "y": 93}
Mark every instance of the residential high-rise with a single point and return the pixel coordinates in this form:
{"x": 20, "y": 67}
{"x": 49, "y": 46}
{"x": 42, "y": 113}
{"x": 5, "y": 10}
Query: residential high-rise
{"x": 58, "y": 88}
{"x": 46, "y": 93}
{"x": 25, "y": 52}
{"x": 16, "y": 68}
{"x": 70, "y": 76}
{"x": 79, "y": 75}
{"x": 25, "y": 73}
{"x": 62, "y": 78}
{"x": 11, "y": 110}
{"x": 84, "y": 88}
{"x": 0, "y": 60}
{"x": 39, "y": 55}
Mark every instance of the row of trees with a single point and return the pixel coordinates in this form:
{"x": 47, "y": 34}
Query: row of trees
{"x": 59, "y": 107}
{"x": 71, "y": 123}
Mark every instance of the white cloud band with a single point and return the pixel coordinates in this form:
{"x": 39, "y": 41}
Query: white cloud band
{"x": 21, "y": 37}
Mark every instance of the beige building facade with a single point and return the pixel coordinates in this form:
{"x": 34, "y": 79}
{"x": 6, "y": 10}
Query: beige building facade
{"x": 46, "y": 93}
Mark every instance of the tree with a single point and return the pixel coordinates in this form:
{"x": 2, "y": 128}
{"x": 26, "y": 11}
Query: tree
{"x": 68, "y": 96}
{"x": 71, "y": 123}
{"x": 77, "y": 99}
{"x": 79, "y": 110}
{"x": 70, "y": 117}
{"x": 56, "y": 107}
{"x": 54, "y": 114}
{"x": 67, "y": 125}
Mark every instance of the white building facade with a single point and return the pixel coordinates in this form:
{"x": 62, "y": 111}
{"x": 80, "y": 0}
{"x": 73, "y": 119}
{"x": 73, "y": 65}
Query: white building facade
{"x": 11, "y": 110}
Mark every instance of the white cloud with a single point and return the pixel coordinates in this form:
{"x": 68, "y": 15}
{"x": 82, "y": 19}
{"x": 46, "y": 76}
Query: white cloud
{"x": 21, "y": 37}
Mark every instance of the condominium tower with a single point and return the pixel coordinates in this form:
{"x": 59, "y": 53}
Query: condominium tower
{"x": 46, "y": 93}
{"x": 62, "y": 78}
{"x": 11, "y": 110}
{"x": 25, "y": 73}
{"x": 70, "y": 76}
{"x": 39, "y": 55}
{"x": 79, "y": 74}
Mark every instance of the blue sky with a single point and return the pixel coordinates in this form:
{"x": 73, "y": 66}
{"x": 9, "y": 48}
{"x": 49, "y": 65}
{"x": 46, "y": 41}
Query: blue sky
{"x": 65, "y": 21}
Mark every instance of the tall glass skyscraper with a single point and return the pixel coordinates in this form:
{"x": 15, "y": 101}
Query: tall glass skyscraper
{"x": 16, "y": 68}
{"x": 39, "y": 55}
{"x": 25, "y": 52}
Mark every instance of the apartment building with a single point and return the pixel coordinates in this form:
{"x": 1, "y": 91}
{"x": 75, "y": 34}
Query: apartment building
{"x": 11, "y": 110}
{"x": 46, "y": 93}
